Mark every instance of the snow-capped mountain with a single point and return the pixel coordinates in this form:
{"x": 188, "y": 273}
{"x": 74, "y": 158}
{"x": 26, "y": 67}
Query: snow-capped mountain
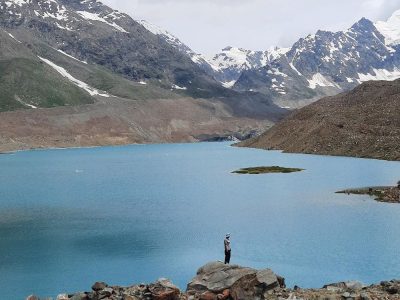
{"x": 93, "y": 32}
{"x": 72, "y": 52}
{"x": 327, "y": 63}
{"x": 232, "y": 61}
{"x": 226, "y": 66}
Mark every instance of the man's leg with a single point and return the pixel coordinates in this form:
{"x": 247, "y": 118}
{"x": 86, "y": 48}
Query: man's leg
{"x": 228, "y": 257}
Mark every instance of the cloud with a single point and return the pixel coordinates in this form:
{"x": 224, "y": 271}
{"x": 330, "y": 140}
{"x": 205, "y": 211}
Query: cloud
{"x": 209, "y": 25}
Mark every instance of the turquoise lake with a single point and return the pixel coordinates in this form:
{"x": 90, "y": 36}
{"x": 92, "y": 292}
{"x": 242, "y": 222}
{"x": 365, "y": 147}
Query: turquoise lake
{"x": 136, "y": 213}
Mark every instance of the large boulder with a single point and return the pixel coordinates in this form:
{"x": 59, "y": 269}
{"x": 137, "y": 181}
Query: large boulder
{"x": 164, "y": 289}
{"x": 240, "y": 283}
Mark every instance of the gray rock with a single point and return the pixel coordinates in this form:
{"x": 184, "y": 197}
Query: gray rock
{"x": 364, "y": 296}
{"x": 354, "y": 285}
{"x": 98, "y": 286}
{"x": 107, "y": 292}
{"x": 80, "y": 296}
{"x": 243, "y": 283}
{"x": 346, "y": 295}
{"x": 166, "y": 283}
{"x": 268, "y": 278}
{"x": 348, "y": 285}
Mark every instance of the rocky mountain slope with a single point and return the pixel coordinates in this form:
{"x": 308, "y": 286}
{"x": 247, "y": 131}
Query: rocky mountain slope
{"x": 94, "y": 33}
{"x": 364, "y": 122}
{"x": 84, "y": 54}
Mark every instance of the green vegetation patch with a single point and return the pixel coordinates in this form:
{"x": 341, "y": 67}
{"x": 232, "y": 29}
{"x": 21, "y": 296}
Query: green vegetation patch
{"x": 267, "y": 170}
{"x": 25, "y": 82}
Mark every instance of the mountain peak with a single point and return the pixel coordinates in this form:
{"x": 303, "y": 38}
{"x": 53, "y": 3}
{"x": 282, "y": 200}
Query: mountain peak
{"x": 363, "y": 24}
{"x": 227, "y": 48}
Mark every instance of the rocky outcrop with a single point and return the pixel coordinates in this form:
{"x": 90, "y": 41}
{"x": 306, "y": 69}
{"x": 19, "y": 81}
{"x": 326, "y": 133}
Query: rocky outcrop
{"x": 219, "y": 281}
{"x": 216, "y": 281}
{"x": 162, "y": 289}
{"x": 386, "y": 194}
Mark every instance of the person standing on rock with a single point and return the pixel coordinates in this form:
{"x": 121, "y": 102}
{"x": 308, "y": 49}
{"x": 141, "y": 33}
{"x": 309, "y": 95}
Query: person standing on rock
{"x": 227, "y": 246}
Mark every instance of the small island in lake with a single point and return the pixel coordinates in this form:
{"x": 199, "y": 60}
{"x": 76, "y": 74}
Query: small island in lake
{"x": 266, "y": 170}
{"x": 389, "y": 194}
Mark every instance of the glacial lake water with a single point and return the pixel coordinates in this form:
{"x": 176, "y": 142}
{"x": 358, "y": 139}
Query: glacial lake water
{"x": 136, "y": 213}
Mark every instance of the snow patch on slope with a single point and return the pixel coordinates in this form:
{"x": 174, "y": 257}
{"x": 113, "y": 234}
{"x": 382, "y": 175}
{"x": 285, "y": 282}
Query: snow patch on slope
{"x": 177, "y": 87}
{"x": 92, "y": 91}
{"x": 174, "y": 41}
{"x": 275, "y": 52}
{"x": 19, "y": 3}
{"x": 380, "y": 74}
{"x": 157, "y": 30}
{"x": 96, "y": 17}
{"x": 24, "y": 103}
{"x": 320, "y": 80}
{"x": 13, "y": 37}
{"x": 229, "y": 84}
{"x": 70, "y": 56}
{"x": 239, "y": 58}
{"x": 232, "y": 57}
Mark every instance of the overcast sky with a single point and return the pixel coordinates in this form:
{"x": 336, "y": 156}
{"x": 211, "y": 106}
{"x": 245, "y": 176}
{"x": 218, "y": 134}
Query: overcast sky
{"x": 207, "y": 26}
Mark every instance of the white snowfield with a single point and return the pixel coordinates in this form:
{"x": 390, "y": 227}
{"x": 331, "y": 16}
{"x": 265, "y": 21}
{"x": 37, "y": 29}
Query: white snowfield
{"x": 92, "y": 91}
{"x": 390, "y": 29}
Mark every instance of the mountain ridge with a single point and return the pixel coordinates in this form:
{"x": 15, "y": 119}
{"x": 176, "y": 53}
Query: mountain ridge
{"x": 321, "y": 64}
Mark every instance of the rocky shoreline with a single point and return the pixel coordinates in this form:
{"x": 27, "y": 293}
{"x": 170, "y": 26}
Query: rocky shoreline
{"x": 387, "y": 194}
{"x": 217, "y": 281}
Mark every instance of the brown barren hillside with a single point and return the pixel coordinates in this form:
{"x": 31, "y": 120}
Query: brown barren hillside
{"x": 364, "y": 122}
{"x": 115, "y": 121}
